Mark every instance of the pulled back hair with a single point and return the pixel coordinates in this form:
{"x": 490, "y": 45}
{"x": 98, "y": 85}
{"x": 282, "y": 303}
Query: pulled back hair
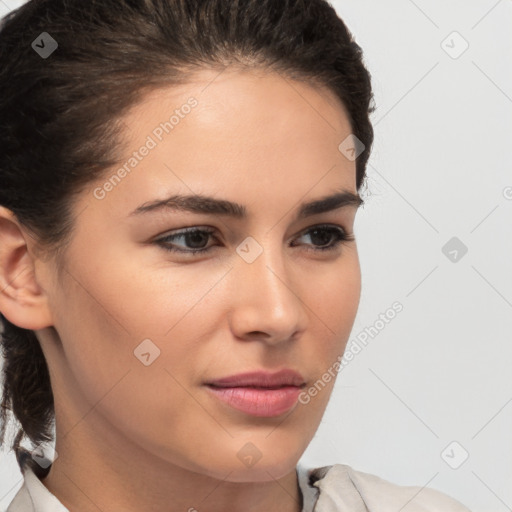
{"x": 59, "y": 117}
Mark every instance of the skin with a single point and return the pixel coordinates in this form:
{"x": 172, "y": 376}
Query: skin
{"x": 132, "y": 437}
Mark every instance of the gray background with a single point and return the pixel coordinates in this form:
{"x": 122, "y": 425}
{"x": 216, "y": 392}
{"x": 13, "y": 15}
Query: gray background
{"x": 428, "y": 401}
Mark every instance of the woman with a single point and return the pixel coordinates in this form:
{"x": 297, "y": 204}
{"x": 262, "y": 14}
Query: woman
{"x": 178, "y": 269}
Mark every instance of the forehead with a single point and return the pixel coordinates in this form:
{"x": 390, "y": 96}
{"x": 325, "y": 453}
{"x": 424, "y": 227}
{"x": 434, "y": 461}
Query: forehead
{"x": 233, "y": 132}
{"x": 266, "y": 104}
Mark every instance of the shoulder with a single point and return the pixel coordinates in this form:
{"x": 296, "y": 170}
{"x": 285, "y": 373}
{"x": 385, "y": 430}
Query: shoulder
{"x": 340, "y": 485}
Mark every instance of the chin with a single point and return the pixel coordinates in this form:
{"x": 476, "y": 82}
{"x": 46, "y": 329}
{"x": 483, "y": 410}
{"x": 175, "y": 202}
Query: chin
{"x": 261, "y": 472}
{"x": 262, "y": 461}
{"x": 248, "y": 464}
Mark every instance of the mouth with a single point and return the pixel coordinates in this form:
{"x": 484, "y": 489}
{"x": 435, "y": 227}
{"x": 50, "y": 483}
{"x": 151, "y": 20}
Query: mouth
{"x": 261, "y": 378}
{"x": 263, "y": 402}
{"x": 259, "y": 393}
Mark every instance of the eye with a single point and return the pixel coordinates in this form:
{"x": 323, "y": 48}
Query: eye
{"x": 324, "y": 234}
{"x": 194, "y": 237}
{"x": 324, "y": 238}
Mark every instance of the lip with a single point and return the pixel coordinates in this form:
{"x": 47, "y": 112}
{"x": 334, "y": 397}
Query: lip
{"x": 260, "y": 379}
{"x": 259, "y": 393}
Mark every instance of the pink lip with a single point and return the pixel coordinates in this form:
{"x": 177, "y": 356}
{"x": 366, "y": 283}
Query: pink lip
{"x": 261, "y": 379}
{"x": 264, "y": 402}
{"x": 259, "y": 393}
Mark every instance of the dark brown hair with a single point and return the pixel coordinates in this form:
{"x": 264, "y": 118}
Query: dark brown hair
{"x": 59, "y": 116}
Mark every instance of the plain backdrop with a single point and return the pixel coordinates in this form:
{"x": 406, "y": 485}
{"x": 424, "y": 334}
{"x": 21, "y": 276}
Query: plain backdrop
{"x": 428, "y": 400}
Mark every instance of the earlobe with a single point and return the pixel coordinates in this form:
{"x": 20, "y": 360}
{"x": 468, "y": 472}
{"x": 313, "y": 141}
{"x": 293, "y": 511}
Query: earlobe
{"x": 22, "y": 300}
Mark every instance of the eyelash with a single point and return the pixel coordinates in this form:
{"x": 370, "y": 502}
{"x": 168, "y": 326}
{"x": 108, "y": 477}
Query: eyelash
{"x": 341, "y": 237}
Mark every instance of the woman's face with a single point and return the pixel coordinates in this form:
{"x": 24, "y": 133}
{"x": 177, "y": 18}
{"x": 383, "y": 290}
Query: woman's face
{"x": 142, "y": 329}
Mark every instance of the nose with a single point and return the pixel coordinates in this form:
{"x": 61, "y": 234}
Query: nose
{"x": 266, "y": 298}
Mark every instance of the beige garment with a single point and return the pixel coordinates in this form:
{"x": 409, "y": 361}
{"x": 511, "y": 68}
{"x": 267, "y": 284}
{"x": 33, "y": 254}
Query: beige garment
{"x": 339, "y": 488}
{"x": 336, "y": 488}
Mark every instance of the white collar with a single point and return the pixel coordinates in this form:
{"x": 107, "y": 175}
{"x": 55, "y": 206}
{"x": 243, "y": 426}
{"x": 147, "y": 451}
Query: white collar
{"x": 33, "y": 496}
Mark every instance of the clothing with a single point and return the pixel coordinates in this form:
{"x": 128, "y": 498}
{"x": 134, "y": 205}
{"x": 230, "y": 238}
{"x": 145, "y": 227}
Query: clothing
{"x": 336, "y": 488}
{"x": 339, "y": 488}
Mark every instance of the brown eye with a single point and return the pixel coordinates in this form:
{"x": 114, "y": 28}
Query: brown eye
{"x": 195, "y": 239}
{"x": 321, "y": 237}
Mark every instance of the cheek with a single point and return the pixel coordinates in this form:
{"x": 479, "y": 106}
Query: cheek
{"x": 335, "y": 299}
{"x": 155, "y": 324}
{"x": 103, "y": 326}
{"x": 334, "y": 303}
{"x": 106, "y": 315}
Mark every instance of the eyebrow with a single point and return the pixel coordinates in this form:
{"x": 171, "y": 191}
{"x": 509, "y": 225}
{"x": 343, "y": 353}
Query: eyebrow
{"x": 197, "y": 203}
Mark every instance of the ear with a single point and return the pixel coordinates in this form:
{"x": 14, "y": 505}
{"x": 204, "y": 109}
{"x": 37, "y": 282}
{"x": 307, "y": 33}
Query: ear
{"x": 22, "y": 300}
